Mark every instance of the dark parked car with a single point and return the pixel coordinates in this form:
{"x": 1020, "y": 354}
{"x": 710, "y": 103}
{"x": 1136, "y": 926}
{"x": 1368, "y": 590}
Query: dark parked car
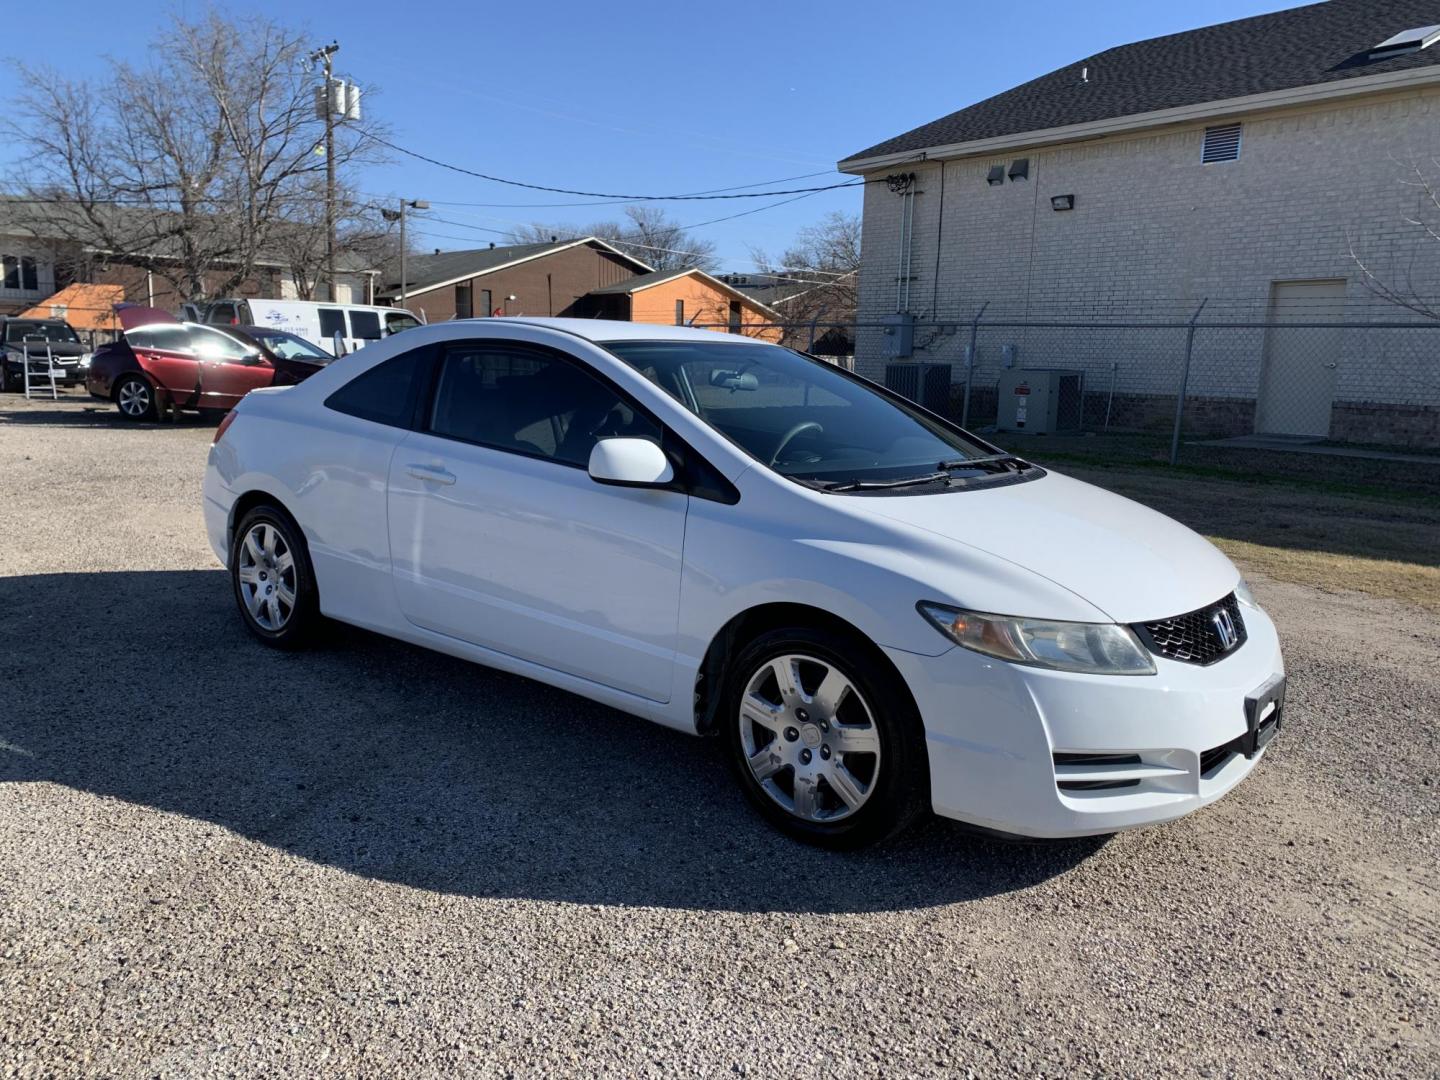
{"x": 159, "y": 363}
{"x": 35, "y": 336}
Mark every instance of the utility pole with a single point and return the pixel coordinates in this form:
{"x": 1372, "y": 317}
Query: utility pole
{"x": 391, "y": 215}
{"x": 323, "y": 56}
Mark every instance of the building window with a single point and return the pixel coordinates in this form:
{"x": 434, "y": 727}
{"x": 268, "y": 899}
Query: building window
{"x": 679, "y": 312}
{"x": 12, "y": 271}
{"x": 734, "y": 316}
{"x": 464, "y": 301}
{"x": 487, "y": 303}
{"x": 29, "y": 277}
{"x": 1221, "y": 144}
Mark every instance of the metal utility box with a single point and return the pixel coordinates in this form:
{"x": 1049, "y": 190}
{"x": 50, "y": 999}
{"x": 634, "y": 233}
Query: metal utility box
{"x": 899, "y": 340}
{"x": 1049, "y": 401}
{"x": 928, "y": 385}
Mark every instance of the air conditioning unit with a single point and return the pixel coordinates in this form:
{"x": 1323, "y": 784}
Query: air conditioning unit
{"x": 1049, "y": 401}
{"x": 928, "y": 385}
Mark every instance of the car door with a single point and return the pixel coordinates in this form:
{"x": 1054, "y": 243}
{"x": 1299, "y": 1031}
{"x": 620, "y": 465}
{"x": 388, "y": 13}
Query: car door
{"x": 229, "y": 369}
{"x": 166, "y": 354}
{"x": 499, "y": 536}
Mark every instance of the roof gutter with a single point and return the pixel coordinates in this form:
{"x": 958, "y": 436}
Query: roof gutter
{"x": 1205, "y": 110}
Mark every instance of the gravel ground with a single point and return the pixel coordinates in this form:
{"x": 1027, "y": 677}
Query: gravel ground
{"x": 370, "y": 859}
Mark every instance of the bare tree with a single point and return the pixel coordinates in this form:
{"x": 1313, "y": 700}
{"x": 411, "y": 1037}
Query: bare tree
{"x": 186, "y": 167}
{"x": 1407, "y": 272}
{"x": 818, "y": 275}
{"x": 647, "y": 234}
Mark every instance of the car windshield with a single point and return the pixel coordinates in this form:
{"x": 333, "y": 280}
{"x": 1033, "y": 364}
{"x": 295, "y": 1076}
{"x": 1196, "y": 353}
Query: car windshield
{"x": 289, "y": 347}
{"x": 802, "y": 417}
{"x": 50, "y": 331}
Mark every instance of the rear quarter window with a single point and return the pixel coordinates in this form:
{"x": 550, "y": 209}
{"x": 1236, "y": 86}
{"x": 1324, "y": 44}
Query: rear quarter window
{"x": 386, "y": 394}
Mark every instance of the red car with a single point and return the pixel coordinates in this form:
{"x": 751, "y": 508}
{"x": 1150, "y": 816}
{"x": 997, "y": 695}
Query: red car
{"x": 160, "y": 364}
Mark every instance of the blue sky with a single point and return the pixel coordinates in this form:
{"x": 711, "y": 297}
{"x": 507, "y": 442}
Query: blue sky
{"x": 648, "y": 97}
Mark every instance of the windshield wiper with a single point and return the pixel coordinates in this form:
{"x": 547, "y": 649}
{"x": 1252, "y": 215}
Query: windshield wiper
{"x": 994, "y": 459}
{"x": 873, "y": 485}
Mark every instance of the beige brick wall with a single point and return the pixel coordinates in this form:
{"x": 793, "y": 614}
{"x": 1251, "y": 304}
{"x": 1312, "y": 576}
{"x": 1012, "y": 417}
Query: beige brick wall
{"x": 1154, "y": 231}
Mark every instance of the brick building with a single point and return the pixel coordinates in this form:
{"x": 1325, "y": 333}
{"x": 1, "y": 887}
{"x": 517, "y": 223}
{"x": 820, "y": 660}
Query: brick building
{"x": 688, "y": 297}
{"x": 519, "y": 279}
{"x": 1249, "y": 163}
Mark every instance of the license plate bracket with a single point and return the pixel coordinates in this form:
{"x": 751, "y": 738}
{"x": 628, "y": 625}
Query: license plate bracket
{"x": 1262, "y": 722}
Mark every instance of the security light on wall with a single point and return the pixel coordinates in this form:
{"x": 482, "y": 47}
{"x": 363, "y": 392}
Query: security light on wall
{"x": 996, "y": 175}
{"x": 1020, "y": 168}
{"x": 1062, "y": 202}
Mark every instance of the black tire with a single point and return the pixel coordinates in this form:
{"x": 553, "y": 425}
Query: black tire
{"x": 899, "y": 789}
{"x": 298, "y": 623}
{"x": 132, "y": 388}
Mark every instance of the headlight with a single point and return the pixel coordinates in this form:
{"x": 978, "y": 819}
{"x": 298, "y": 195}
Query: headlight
{"x": 1093, "y": 648}
{"x": 1245, "y": 596}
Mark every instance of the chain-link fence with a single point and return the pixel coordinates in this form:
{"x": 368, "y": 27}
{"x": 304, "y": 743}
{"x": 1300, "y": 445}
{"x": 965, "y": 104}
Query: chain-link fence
{"x": 1253, "y": 381}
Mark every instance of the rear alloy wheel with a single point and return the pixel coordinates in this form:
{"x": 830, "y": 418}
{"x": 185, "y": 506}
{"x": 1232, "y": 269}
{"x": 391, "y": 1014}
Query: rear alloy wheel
{"x": 135, "y": 398}
{"x": 824, "y": 738}
{"x": 274, "y": 584}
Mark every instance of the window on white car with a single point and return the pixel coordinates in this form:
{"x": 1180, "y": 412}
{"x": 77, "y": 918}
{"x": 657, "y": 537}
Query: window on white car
{"x": 803, "y": 417}
{"x": 386, "y": 392}
{"x": 365, "y": 325}
{"x": 332, "y": 322}
{"x": 531, "y": 402}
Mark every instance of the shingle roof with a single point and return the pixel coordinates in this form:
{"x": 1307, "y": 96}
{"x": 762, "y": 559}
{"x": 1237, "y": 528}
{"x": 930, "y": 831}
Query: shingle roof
{"x": 427, "y": 271}
{"x": 1303, "y": 46}
{"x": 644, "y": 281}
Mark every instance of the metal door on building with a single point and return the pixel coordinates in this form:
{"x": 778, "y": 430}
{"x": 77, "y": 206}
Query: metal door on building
{"x": 1297, "y": 383}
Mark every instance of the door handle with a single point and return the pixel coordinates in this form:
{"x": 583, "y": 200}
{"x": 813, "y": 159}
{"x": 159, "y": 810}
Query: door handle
{"x": 433, "y": 474}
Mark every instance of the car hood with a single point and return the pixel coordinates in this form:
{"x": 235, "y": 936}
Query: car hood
{"x": 1132, "y": 563}
{"x": 66, "y": 350}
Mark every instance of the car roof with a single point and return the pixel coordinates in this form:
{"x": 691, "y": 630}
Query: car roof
{"x": 602, "y": 330}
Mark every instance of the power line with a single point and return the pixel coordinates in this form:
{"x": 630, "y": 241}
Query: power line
{"x": 697, "y": 196}
{"x": 613, "y": 202}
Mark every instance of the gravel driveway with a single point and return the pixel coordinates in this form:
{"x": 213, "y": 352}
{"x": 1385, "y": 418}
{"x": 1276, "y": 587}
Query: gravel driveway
{"x": 370, "y": 859}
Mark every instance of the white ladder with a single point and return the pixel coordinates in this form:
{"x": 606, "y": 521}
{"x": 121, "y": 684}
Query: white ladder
{"x": 35, "y": 377}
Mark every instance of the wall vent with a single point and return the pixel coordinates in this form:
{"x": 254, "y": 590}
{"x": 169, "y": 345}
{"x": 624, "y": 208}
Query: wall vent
{"x": 1221, "y": 144}
{"x": 1421, "y": 37}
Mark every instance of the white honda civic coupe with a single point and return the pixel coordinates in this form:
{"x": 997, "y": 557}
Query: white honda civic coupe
{"x": 879, "y": 613}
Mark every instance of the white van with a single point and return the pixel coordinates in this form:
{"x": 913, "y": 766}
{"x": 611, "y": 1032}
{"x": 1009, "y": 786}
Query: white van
{"x": 318, "y": 322}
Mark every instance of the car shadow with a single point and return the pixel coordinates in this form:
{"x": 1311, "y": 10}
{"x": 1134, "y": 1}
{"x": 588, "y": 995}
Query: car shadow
{"x": 403, "y": 765}
{"x": 96, "y": 414}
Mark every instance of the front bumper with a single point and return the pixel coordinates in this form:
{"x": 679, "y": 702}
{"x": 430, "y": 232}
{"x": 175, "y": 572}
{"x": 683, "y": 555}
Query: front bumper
{"x": 994, "y": 730}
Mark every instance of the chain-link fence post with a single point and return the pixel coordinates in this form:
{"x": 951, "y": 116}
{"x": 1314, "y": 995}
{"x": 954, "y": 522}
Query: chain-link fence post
{"x": 970, "y": 364}
{"x": 811, "y": 347}
{"x": 1184, "y": 382}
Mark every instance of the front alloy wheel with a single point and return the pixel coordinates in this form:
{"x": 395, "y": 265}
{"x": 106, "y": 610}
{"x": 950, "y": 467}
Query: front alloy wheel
{"x": 824, "y": 736}
{"x": 809, "y": 738}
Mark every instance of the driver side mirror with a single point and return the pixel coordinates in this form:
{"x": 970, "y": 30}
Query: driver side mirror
{"x": 627, "y": 462}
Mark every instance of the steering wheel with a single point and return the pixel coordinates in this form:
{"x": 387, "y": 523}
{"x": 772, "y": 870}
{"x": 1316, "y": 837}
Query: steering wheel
{"x": 791, "y": 435}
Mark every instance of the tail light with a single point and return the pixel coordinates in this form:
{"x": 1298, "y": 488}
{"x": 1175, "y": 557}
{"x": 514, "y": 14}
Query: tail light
{"x": 225, "y": 422}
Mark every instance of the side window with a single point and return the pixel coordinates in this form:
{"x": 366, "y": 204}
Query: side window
{"x": 386, "y": 393}
{"x": 332, "y": 322}
{"x": 530, "y": 402}
{"x": 400, "y": 320}
{"x": 212, "y": 345}
{"x": 365, "y": 324}
{"x": 164, "y": 336}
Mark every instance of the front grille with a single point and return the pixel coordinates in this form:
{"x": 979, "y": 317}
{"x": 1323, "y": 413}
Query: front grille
{"x": 1194, "y": 638}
